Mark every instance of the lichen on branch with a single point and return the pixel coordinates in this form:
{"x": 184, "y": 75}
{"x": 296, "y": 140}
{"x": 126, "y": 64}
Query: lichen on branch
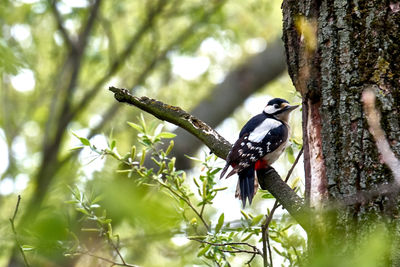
{"x": 217, "y": 144}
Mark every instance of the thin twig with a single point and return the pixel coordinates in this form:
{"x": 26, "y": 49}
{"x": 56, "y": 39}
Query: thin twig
{"x": 269, "y": 249}
{"x": 68, "y": 40}
{"x": 294, "y": 164}
{"x": 187, "y": 201}
{"x": 237, "y": 250}
{"x": 265, "y": 225}
{"x": 120, "y": 59}
{"x": 85, "y": 33}
{"x": 15, "y": 232}
{"x": 251, "y": 259}
{"x": 116, "y": 250}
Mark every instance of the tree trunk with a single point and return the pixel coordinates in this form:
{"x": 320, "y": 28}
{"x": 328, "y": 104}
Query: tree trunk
{"x": 335, "y": 50}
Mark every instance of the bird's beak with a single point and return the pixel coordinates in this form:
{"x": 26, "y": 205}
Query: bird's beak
{"x": 290, "y": 108}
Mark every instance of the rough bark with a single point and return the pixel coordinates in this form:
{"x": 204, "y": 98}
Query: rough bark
{"x": 356, "y": 47}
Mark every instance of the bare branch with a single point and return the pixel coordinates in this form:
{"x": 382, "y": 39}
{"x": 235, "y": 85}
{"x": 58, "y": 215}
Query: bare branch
{"x": 373, "y": 117}
{"x": 363, "y": 197}
{"x": 120, "y": 59}
{"x": 232, "y": 244}
{"x": 118, "y": 62}
{"x": 85, "y": 33}
{"x": 60, "y": 24}
{"x": 12, "y": 220}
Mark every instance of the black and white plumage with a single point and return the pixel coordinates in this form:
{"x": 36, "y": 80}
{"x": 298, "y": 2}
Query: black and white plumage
{"x": 261, "y": 141}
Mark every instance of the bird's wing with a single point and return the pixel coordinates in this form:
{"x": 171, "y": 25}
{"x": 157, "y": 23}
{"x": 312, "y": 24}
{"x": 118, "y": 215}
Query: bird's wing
{"x": 246, "y": 152}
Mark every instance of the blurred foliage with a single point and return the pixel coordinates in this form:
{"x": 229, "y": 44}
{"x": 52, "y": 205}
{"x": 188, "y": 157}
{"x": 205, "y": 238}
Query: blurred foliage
{"x": 144, "y": 46}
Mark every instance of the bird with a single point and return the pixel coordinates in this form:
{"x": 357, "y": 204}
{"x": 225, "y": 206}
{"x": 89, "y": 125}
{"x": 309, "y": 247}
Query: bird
{"x": 261, "y": 141}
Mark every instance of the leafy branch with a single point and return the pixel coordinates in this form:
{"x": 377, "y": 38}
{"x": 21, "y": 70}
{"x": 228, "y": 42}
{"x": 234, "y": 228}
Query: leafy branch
{"x": 88, "y": 207}
{"x": 166, "y": 176}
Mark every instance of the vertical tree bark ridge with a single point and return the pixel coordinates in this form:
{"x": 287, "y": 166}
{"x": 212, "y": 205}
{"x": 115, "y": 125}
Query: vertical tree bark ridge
{"x": 357, "y": 47}
{"x": 317, "y": 187}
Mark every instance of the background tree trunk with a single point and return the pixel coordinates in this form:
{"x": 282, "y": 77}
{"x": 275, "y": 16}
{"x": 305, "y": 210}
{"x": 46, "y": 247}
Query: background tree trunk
{"x": 335, "y": 50}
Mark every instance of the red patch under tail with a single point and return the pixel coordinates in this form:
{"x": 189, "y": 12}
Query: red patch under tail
{"x": 261, "y": 164}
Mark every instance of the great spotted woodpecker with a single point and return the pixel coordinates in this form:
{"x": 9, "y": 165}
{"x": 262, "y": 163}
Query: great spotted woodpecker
{"x": 261, "y": 141}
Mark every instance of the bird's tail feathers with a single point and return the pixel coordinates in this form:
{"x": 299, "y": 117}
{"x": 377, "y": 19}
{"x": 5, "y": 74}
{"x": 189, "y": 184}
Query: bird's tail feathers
{"x": 224, "y": 171}
{"x": 246, "y": 187}
{"x": 232, "y": 172}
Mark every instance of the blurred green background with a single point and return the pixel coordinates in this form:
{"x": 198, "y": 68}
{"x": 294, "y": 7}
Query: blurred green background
{"x": 57, "y": 59}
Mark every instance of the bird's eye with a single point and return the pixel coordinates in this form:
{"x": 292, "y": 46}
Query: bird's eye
{"x": 276, "y": 106}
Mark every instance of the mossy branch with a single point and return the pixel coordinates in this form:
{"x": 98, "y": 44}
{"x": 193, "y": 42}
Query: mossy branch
{"x": 269, "y": 180}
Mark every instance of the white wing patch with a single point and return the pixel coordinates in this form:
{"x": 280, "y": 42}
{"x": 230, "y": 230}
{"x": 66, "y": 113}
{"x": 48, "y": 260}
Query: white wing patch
{"x": 262, "y": 130}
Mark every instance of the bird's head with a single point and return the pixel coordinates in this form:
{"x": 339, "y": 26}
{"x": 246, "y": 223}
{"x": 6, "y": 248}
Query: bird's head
{"x": 279, "y": 108}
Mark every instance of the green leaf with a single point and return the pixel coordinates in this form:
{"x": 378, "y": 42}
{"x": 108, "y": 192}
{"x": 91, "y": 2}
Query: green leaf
{"x": 194, "y": 159}
{"x": 171, "y": 145}
{"x": 286, "y": 228}
{"x": 216, "y": 170}
{"x": 204, "y": 250}
{"x": 90, "y": 230}
{"x": 277, "y": 251}
{"x": 71, "y": 202}
{"x": 97, "y": 199}
{"x": 76, "y": 148}
{"x": 27, "y": 247}
{"x": 113, "y": 143}
{"x": 257, "y": 219}
{"x": 220, "y": 223}
{"x": 143, "y": 122}
{"x": 83, "y": 211}
{"x": 143, "y": 157}
{"x": 135, "y": 126}
{"x": 158, "y": 130}
{"x": 247, "y": 237}
{"x": 166, "y": 135}
{"x": 244, "y": 214}
{"x": 220, "y": 189}
{"x": 290, "y": 154}
{"x": 268, "y": 195}
{"x": 133, "y": 153}
{"x": 84, "y": 141}
{"x": 196, "y": 183}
